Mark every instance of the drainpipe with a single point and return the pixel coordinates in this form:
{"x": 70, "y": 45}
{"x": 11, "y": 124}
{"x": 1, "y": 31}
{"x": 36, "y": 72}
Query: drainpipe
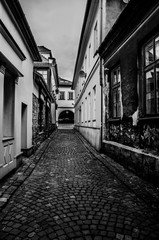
{"x": 100, "y": 70}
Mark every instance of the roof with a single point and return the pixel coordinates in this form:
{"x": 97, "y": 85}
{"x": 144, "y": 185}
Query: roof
{"x": 43, "y": 49}
{"x": 64, "y": 82}
{"x": 16, "y": 13}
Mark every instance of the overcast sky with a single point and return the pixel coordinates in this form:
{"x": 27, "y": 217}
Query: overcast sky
{"x": 56, "y": 24}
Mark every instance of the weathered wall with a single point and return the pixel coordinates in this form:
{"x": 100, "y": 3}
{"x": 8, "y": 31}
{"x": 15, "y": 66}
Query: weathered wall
{"x": 39, "y": 135}
{"x": 132, "y": 129}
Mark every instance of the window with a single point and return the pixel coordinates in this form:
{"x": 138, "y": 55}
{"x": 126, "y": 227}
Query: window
{"x": 89, "y": 106}
{"x": 151, "y": 76}
{"x": 44, "y": 74}
{"x": 8, "y": 109}
{"x": 96, "y": 37}
{"x": 62, "y": 95}
{"x": 79, "y": 115}
{"x": 41, "y": 115}
{"x": 85, "y": 62}
{"x": 70, "y": 95}
{"x": 116, "y": 92}
{"x": 82, "y": 109}
{"x": 89, "y": 55}
{"x": 94, "y": 103}
{"x": 85, "y": 115}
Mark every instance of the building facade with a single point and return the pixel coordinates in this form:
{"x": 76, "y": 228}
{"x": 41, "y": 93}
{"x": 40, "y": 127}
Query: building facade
{"x": 130, "y": 52}
{"x": 65, "y": 102}
{"x": 88, "y": 74}
{"x": 44, "y": 96}
{"x": 18, "y": 51}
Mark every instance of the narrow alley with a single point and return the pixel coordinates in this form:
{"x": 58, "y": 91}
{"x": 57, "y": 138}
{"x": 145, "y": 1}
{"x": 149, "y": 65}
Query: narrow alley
{"x": 68, "y": 193}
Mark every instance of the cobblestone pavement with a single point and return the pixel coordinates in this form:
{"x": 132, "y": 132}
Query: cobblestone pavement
{"x": 65, "y": 191}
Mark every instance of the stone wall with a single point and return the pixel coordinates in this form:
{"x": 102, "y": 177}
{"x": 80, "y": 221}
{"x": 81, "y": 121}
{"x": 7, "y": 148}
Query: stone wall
{"x": 145, "y": 165}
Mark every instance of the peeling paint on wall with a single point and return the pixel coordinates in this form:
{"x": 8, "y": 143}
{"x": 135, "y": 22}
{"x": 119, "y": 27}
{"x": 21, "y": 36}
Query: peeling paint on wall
{"x": 135, "y": 117}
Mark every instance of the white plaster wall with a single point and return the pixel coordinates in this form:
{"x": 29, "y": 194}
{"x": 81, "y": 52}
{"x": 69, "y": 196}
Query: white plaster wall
{"x": 24, "y": 89}
{"x": 91, "y": 130}
{"x": 65, "y": 103}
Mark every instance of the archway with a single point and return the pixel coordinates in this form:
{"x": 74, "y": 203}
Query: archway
{"x": 66, "y": 116}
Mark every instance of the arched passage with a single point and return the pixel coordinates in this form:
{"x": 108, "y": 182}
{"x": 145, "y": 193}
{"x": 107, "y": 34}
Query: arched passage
{"x": 66, "y": 116}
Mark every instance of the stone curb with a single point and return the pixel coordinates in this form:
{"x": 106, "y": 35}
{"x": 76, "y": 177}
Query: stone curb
{"x": 9, "y": 186}
{"x": 142, "y": 189}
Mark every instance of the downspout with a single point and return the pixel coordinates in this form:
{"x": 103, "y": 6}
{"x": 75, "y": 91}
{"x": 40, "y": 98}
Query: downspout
{"x": 100, "y": 71}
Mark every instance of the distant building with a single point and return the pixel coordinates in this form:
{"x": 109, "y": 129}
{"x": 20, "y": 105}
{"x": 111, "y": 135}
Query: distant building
{"x": 65, "y": 102}
{"x": 18, "y": 51}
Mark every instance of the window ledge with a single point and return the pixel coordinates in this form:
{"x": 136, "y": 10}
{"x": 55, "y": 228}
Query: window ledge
{"x": 114, "y": 119}
{"x": 5, "y": 139}
{"x": 149, "y": 118}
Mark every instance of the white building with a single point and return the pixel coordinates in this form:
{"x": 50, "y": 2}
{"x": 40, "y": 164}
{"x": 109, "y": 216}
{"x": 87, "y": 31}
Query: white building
{"x": 18, "y": 50}
{"x": 89, "y": 73}
{"x": 65, "y": 102}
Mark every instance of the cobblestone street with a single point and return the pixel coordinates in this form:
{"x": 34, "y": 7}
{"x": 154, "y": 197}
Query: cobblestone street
{"x": 66, "y": 192}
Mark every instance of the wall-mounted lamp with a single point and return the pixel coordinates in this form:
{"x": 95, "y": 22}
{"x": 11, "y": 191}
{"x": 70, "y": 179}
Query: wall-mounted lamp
{"x": 106, "y": 70}
{"x": 52, "y": 61}
{"x": 56, "y": 90}
{"x": 82, "y": 74}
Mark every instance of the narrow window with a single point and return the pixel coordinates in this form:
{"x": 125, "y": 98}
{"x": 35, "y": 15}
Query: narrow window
{"x": 89, "y": 55}
{"x": 8, "y": 110}
{"x": 41, "y": 115}
{"x": 44, "y": 74}
{"x": 70, "y": 95}
{"x": 96, "y": 37}
{"x": 116, "y": 92}
{"x": 89, "y": 106}
{"x": 94, "y": 103}
{"x": 151, "y": 76}
{"x": 62, "y": 95}
{"x": 85, "y": 109}
{"x": 85, "y": 62}
{"x": 82, "y": 109}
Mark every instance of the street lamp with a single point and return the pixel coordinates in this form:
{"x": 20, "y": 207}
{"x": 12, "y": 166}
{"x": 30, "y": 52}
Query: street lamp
{"x": 57, "y": 90}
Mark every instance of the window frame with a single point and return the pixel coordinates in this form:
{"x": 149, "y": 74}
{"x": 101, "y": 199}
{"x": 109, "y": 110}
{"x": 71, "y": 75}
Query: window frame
{"x": 146, "y": 68}
{"x": 116, "y": 87}
{"x": 70, "y": 98}
{"x": 96, "y": 37}
{"x": 44, "y": 73}
{"x": 8, "y": 106}
{"x": 94, "y": 102}
{"x": 60, "y": 98}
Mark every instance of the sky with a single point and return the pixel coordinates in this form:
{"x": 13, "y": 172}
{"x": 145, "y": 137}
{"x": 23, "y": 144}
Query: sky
{"x": 57, "y": 24}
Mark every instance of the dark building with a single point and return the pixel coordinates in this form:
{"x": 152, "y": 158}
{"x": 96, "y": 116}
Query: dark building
{"x": 130, "y": 53}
